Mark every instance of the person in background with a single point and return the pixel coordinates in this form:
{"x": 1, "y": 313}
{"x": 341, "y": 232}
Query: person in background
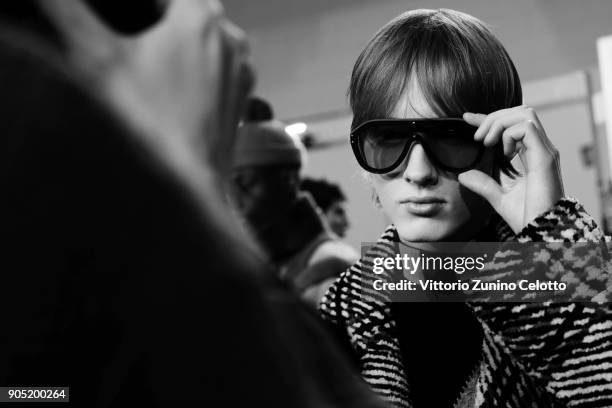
{"x": 124, "y": 276}
{"x": 331, "y": 200}
{"x": 266, "y": 179}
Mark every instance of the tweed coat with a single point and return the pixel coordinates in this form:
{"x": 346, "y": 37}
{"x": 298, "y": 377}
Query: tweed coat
{"x": 531, "y": 354}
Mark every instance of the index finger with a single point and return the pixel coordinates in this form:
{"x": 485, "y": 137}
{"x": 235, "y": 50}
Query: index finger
{"x": 488, "y": 121}
{"x": 474, "y": 119}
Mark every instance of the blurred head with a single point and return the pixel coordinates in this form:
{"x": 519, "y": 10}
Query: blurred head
{"x": 174, "y": 69}
{"x": 258, "y": 110}
{"x": 262, "y": 193}
{"x": 266, "y": 166}
{"x": 126, "y": 18}
{"x": 331, "y": 201}
{"x": 430, "y": 64}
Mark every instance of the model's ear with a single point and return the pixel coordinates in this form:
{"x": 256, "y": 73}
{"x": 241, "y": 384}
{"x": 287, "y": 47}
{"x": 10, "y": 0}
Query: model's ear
{"x": 377, "y": 200}
{"x": 129, "y": 17}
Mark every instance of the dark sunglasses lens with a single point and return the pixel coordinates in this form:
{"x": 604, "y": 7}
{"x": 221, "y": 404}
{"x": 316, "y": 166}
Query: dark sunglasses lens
{"x": 451, "y": 144}
{"x": 455, "y": 149}
{"x": 382, "y": 147}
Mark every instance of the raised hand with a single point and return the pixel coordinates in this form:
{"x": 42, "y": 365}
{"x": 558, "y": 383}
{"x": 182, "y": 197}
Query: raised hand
{"x": 539, "y": 186}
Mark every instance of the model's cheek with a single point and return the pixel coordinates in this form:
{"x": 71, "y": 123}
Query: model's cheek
{"x": 384, "y": 196}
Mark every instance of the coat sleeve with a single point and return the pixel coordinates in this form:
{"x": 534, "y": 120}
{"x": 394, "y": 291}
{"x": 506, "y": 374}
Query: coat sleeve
{"x": 366, "y": 320}
{"x": 566, "y": 346}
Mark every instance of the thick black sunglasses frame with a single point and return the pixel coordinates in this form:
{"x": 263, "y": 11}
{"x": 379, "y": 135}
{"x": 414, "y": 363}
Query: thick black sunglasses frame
{"x": 420, "y": 124}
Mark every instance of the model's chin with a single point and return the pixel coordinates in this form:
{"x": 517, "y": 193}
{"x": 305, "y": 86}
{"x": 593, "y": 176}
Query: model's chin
{"x": 419, "y": 229}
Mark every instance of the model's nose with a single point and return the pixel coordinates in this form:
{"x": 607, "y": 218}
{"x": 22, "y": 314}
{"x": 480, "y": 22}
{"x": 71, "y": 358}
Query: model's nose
{"x": 418, "y": 168}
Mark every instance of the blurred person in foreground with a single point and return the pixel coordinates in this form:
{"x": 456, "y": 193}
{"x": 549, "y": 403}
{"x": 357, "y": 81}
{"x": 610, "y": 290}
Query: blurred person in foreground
{"x": 266, "y": 166}
{"x": 123, "y": 276}
{"x": 332, "y": 202}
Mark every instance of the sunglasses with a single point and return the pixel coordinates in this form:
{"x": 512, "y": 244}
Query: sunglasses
{"x": 381, "y": 145}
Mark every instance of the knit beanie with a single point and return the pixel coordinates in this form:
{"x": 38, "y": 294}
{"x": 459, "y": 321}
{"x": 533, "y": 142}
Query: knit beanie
{"x": 266, "y": 144}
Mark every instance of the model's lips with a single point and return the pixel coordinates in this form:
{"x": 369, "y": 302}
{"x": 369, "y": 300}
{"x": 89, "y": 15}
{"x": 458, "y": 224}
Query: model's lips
{"x": 422, "y": 200}
{"x": 423, "y": 206}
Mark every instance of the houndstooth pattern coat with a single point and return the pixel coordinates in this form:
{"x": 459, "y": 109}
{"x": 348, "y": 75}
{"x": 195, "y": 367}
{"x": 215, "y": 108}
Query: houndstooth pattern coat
{"x": 532, "y": 354}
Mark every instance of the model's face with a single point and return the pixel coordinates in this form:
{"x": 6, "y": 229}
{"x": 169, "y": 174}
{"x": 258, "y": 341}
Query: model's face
{"x": 423, "y": 202}
{"x": 336, "y": 217}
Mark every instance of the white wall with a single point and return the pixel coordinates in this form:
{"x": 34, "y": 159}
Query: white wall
{"x": 304, "y": 49}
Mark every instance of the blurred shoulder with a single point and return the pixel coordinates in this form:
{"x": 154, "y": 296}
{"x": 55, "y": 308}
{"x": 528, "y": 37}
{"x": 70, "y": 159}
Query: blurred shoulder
{"x": 335, "y": 248}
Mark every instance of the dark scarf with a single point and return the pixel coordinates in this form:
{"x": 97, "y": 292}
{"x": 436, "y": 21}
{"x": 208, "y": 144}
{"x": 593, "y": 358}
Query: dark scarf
{"x": 441, "y": 343}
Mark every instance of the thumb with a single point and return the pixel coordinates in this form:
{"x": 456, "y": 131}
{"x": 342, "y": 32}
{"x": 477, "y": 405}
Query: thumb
{"x": 483, "y": 185}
